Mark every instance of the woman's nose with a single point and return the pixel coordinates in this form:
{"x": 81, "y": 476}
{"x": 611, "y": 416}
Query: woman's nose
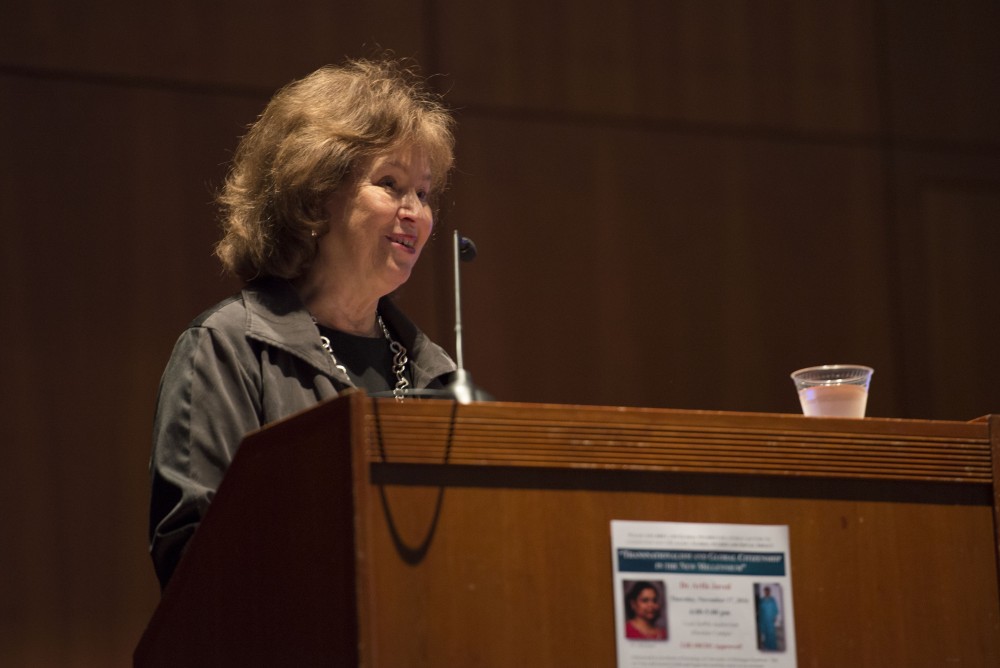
{"x": 410, "y": 203}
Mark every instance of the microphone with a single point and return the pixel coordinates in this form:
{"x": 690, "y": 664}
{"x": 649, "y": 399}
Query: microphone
{"x": 462, "y": 389}
{"x": 466, "y": 249}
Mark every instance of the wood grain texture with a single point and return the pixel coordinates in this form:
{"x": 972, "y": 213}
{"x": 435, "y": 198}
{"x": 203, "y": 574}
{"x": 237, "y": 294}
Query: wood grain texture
{"x": 514, "y": 532}
{"x": 698, "y": 442}
{"x": 769, "y": 66}
{"x": 501, "y": 560}
{"x": 669, "y": 270}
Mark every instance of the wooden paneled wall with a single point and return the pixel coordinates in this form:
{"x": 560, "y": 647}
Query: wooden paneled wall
{"x": 676, "y": 204}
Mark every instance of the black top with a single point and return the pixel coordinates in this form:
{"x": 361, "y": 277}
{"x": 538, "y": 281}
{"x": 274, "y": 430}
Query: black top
{"x": 368, "y": 360}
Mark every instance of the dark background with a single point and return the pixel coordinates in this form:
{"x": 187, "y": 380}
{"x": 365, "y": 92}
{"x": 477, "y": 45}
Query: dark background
{"x": 676, "y": 204}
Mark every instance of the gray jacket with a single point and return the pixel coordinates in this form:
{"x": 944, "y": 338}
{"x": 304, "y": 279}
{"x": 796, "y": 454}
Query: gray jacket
{"x": 250, "y": 360}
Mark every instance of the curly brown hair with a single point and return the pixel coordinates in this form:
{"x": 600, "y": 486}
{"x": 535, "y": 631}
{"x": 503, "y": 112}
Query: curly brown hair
{"x": 311, "y": 136}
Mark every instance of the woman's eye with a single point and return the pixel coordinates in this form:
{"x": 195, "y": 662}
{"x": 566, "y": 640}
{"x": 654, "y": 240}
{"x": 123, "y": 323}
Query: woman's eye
{"x": 390, "y": 183}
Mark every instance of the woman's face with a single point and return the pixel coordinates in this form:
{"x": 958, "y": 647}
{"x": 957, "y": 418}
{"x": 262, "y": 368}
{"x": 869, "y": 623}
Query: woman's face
{"x": 647, "y": 605}
{"x": 379, "y": 222}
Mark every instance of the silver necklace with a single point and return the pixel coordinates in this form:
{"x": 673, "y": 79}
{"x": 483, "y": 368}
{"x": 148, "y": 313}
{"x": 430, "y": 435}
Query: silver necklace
{"x": 399, "y": 358}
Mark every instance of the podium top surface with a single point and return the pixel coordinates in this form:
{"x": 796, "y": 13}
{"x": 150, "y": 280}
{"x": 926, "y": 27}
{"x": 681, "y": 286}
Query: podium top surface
{"x": 546, "y": 435}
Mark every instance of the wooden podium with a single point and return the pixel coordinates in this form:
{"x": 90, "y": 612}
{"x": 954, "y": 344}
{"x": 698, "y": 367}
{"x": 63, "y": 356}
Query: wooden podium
{"x": 427, "y": 533}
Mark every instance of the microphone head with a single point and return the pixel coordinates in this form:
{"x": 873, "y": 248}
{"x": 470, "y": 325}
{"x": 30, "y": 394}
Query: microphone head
{"x": 466, "y": 249}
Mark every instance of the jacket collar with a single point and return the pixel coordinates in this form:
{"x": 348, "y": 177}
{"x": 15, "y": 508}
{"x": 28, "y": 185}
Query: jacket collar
{"x": 276, "y": 316}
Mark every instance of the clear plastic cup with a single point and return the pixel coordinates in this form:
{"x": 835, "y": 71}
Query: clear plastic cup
{"x": 833, "y": 390}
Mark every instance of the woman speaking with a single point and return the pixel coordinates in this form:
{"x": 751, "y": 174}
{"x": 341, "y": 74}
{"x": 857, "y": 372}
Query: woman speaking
{"x": 326, "y": 209}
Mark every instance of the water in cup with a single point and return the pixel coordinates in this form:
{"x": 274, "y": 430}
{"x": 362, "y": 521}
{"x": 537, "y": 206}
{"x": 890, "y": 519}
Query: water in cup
{"x": 833, "y": 390}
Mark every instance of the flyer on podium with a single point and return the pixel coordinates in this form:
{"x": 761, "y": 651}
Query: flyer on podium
{"x": 691, "y": 595}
